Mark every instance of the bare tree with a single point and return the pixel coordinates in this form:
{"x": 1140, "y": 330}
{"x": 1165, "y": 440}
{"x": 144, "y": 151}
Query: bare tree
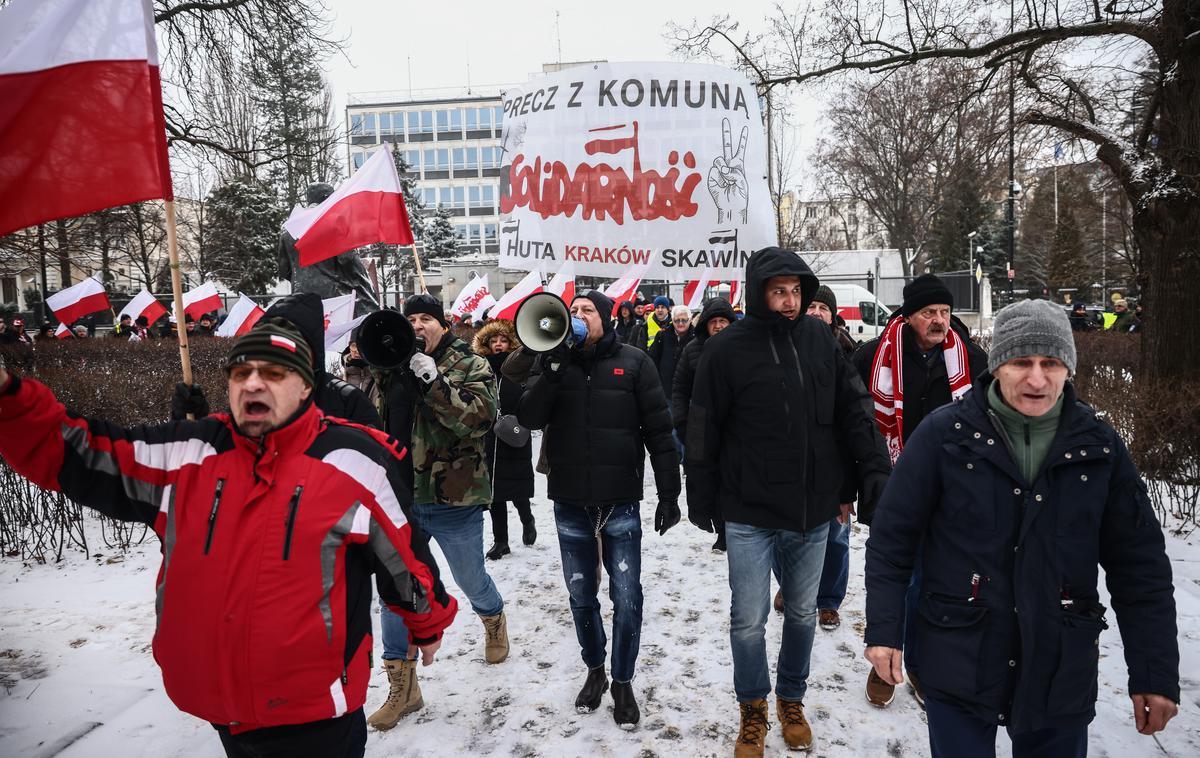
{"x": 1154, "y": 158}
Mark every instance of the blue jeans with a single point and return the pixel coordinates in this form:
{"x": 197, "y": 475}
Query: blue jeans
{"x": 955, "y": 732}
{"x": 621, "y": 542}
{"x": 751, "y": 551}
{"x": 836, "y": 573}
{"x": 458, "y": 530}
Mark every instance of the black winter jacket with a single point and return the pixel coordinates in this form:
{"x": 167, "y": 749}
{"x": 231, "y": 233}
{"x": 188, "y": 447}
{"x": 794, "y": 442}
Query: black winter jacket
{"x": 665, "y": 352}
{"x": 685, "y": 369}
{"x": 599, "y": 413}
{"x": 627, "y": 322}
{"x": 776, "y": 408}
{"x": 926, "y": 386}
{"x": 1009, "y": 612}
{"x": 512, "y": 467}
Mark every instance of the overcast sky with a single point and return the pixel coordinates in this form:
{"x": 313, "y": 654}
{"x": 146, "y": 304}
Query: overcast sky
{"x": 505, "y": 43}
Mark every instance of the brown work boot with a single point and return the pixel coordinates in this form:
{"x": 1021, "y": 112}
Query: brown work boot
{"x": 796, "y": 731}
{"x": 752, "y": 736}
{"x": 779, "y": 600}
{"x": 495, "y": 648}
{"x": 404, "y": 695}
{"x": 915, "y": 686}
{"x": 829, "y": 619}
{"x": 879, "y": 692}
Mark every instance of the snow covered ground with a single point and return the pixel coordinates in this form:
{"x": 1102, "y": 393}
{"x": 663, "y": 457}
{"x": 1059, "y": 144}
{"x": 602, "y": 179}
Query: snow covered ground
{"x": 78, "y": 679}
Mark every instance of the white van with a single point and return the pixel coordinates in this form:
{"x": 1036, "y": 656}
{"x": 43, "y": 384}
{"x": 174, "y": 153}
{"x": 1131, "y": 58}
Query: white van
{"x": 865, "y": 316}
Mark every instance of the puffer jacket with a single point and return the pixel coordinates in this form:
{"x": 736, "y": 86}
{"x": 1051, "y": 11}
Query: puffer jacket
{"x": 776, "y": 409}
{"x": 264, "y": 593}
{"x": 1009, "y": 612}
{"x": 685, "y": 370}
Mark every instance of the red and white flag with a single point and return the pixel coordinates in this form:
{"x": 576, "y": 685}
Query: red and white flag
{"x": 62, "y": 331}
{"x": 201, "y": 300}
{"x": 625, "y": 288}
{"x": 244, "y": 314}
{"x": 143, "y": 304}
{"x": 693, "y": 291}
{"x": 81, "y": 116}
{"x": 507, "y": 307}
{"x": 563, "y": 283}
{"x": 367, "y": 208}
{"x": 338, "y": 310}
{"x": 79, "y": 300}
{"x": 475, "y": 298}
{"x": 735, "y": 292}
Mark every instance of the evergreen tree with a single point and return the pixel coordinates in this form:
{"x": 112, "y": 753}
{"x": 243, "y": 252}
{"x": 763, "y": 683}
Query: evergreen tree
{"x": 1066, "y": 265}
{"x": 243, "y": 232}
{"x": 440, "y": 241}
{"x": 963, "y": 211}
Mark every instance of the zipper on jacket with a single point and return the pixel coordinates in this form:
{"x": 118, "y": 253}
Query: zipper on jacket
{"x": 291, "y": 521}
{"x": 212, "y": 515}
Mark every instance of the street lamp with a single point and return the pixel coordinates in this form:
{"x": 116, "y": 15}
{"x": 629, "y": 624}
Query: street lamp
{"x": 971, "y": 263}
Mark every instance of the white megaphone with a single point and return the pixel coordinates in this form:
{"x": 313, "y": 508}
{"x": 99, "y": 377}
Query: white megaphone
{"x": 543, "y": 322}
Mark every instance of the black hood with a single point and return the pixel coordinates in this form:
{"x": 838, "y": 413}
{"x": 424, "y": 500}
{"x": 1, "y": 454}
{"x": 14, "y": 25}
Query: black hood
{"x": 770, "y": 262}
{"x": 717, "y": 306}
{"x": 625, "y": 308}
{"x": 306, "y": 311}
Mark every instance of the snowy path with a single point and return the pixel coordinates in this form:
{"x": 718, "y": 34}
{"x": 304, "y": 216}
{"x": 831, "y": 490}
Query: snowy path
{"x": 78, "y": 678}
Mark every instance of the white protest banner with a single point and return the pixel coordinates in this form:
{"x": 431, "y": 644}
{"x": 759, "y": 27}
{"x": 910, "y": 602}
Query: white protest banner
{"x": 475, "y": 298}
{"x": 620, "y": 165}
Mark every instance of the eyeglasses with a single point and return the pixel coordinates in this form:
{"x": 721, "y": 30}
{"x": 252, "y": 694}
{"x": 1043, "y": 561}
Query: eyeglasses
{"x": 269, "y": 373}
{"x": 682, "y": 320}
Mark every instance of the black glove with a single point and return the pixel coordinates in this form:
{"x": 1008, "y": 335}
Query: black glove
{"x": 701, "y": 519}
{"x": 666, "y": 516}
{"x": 869, "y": 494}
{"x": 188, "y": 400}
{"x": 554, "y": 362}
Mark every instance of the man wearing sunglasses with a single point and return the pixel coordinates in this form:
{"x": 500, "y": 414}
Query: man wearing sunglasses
{"x": 273, "y": 518}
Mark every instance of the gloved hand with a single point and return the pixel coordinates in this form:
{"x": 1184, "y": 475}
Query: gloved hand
{"x": 424, "y": 367}
{"x": 188, "y": 400}
{"x": 700, "y": 519}
{"x": 666, "y": 515}
{"x": 869, "y": 495}
{"x": 555, "y": 362}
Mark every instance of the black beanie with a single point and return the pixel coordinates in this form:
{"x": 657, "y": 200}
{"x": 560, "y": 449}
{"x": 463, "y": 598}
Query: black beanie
{"x": 923, "y": 291}
{"x": 274, "y": 340}
{"x": 427, "y": 304}
{"x": 825, "y": 295}
{"x": 604, "y": 305}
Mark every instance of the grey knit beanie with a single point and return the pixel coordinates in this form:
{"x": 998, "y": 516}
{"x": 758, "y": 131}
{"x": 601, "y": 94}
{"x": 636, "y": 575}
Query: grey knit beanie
{"x": 1032, "y": 327}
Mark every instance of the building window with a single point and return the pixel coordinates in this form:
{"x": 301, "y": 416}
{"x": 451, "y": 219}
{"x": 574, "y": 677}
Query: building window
{"x": 437, "y": 159}
{"x": 489, "y": 157}
{"x": 497, "y": 115}
{"x": 413, "y": 159}
{"x": 385, "y": 123}
{"x": 810, "y": 212}
{"x": 482, "y": 197}
{"x": 460, "y": 159}
{"x": 444, "y": 197}
{"x": 356, "y": 124}
{"x": 473, "y": 234}
{"x": 8, "y": 289}
{"x": 429, "y": 197}
{"x": 369, "y": 124}
{"x": 489, "y": 231}
{"x": 466, "y": 158}
{"x": 460, "y": 231}
{"x": 479, "y": 118}
{"x": 472, "y": 157}
{"x": 420, "y": 121}
{"x": 358, "y": 160}
{"x": 449, "y": 120}
{"x": 459, "y": 198}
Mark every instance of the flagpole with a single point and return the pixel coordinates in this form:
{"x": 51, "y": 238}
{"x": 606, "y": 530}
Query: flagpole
{"x": 177, "y": 291}
{"x": 420, "y": 273}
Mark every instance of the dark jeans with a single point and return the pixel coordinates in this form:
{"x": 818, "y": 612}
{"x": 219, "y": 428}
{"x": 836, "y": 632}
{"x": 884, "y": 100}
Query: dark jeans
{"x": 620, "y": 544}
{"x": 342, "y": 737}
{"x": 955, "y": 732}
{"x": 499, "y": 514}
{"x": 835, "y": 574}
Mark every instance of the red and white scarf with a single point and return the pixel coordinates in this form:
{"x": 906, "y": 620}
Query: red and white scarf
{"x": 887, "y": 381}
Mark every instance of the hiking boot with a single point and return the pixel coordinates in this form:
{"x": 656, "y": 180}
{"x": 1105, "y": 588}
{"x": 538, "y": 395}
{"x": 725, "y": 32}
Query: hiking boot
{"x": 779, "y": 600}
{"x": 528, "y": 533}
{"x": 879, "y": 693}
{"x": 497, "y": 552}
{"x": 829, "y": 619}
{"x": 625, "y": 707}
{"x": 915, "y": 686}
{"x": 594, "y": 688}
{"x": 752, "y": 735}
{"x": 796, "y": 731}
{"x": 404, "y": 695}
{"x": 719, "y": 545}
{"x": 495, "y": 646}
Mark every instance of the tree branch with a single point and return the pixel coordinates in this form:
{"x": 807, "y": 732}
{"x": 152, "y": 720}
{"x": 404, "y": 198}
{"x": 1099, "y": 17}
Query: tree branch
{"x": 196, "y": 6}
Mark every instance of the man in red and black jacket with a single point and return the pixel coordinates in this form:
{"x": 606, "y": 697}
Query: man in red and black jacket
{"x": 272, "y": 520}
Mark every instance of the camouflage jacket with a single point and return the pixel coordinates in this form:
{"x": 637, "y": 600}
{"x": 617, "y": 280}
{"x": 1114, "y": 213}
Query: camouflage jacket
{"x": 449, "y": 425}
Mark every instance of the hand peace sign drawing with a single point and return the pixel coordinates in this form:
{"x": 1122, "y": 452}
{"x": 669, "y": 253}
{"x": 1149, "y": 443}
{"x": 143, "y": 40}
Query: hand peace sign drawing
{"x": 727, "y": 177}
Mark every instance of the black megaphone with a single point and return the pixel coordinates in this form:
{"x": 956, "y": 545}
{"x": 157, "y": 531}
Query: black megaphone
{"x": 386, "y": 340}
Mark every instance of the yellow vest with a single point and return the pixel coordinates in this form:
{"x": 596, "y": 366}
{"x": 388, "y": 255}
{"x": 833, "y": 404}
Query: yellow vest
{"x": 652, "y": 328}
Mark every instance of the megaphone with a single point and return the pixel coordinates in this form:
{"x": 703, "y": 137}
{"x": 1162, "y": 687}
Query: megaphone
{"x": 386, "y": 340}
{"x": 543, "y": 322}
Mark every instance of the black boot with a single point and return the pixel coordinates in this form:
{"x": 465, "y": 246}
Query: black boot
{"x": 497, "y": 552}
{"x": 589, "y": 697}
{"x": 625, "y": 707}
{"x": 528, "y": 530}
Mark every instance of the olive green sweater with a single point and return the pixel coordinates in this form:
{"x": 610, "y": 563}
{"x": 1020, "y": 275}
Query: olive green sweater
{"x": 1029, "y": 437}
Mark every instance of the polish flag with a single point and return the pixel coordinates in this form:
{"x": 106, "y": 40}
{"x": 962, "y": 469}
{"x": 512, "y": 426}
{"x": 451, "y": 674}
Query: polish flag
{"x": 81, "y": 116}
{"x": 338, "y": 310}
{"x": 735, "y": 292}
{"x": 625, "y": 288}
{"x": 563, "y": 283}
{"x": 474, "y": 298}
{"x": 693, "y": 291}
{"x": 507, "y": 307}
{"x": 62, "y": 331}
{"x": 201, "y": 300}
{"x": 77, "y": 301}
{"x": 143, "y": 304}
{"x": 244, "y": 314}
{"x": 367, "y": 208}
